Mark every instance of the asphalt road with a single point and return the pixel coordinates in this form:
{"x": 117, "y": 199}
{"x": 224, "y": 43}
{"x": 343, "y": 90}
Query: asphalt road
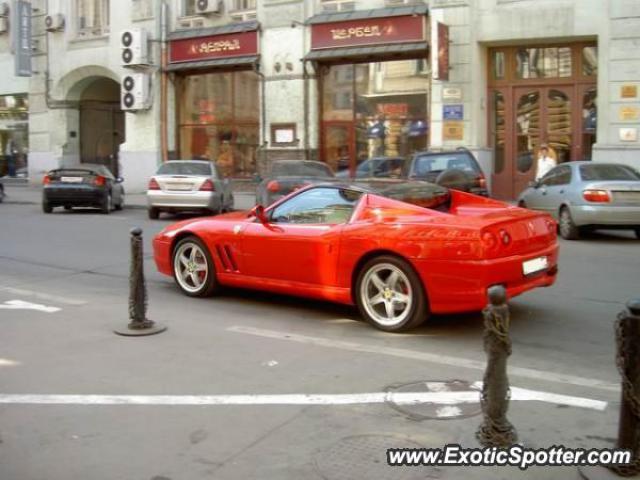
{"x": 260, "y": 344}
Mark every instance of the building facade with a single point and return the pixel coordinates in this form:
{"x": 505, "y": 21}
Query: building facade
{"x": 244, "y": 82}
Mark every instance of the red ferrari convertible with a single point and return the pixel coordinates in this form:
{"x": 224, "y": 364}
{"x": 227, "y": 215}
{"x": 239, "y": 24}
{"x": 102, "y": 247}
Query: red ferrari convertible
{"x": 399, "y": 253}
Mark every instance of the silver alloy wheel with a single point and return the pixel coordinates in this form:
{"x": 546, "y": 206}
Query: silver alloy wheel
{"x": 386, "y": 294}
{"x": 190, "y": 267}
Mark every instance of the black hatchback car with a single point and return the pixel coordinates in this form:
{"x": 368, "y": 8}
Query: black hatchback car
{"x": 84, "y": 185}
{"x": 456, "y": 169}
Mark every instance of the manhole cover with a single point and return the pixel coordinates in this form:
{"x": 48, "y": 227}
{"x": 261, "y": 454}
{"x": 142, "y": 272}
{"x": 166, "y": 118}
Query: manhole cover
{"x": 364, "y": 457}
{"x": 443, "y": 400}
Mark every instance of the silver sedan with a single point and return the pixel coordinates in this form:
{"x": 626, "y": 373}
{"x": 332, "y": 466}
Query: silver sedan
{"x": 585, "y": 196}
{"x": 188, "y": 185}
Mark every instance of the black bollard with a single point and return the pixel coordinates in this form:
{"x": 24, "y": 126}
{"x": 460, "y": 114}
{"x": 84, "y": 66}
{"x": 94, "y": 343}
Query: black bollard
{"x": 496, "y": 430}
{"x": 139, "y": 324}
{"x": 628, "y": 362}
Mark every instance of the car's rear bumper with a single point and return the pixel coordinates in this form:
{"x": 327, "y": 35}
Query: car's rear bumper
{"x": 459, "y": 286}
{"x": 75, "y": 196}
{"x": 184, "y": 200}
{"x": 606, "y": 215}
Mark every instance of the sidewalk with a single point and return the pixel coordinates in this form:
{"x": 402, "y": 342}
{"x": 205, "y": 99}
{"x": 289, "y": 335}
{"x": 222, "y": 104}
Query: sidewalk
{"x": 29, "y": 195}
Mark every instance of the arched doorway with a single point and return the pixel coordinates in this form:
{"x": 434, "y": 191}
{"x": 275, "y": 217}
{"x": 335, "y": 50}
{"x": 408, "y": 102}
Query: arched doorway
{"x": 102, "y": 128}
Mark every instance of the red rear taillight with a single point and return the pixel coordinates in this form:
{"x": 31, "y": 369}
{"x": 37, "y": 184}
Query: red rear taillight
{"x": 153, "y": 185}
{"x": 597, "y": 196}
{"x": 100, "y": 181}
{"x": 46, "y": 180}
{"x": 207, "y": 186}
{"x": 482, "y": 182}
{"x": 273, "y": 186}
{"x": 505, "y": 237}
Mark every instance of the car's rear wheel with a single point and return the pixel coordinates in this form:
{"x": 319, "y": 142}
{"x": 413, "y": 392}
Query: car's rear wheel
{"x": 67, "y": 207}
{"x": 154, "y": 213}
{"x": 120, "y": 205}
{"x": 46, "y": 207}
{"x": 637, "y": 230}
{"x": 566, "y": 225}
{"x": 107, "y": 204}
{"x": 522, "y": 204}
{"x": 390, "y": 295}
{"x": 193, "y": 268}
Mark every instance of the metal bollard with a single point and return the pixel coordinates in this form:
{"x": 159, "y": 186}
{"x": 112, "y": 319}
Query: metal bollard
{"x": 496, "y": 430}
{"x": 139, "y": 324}
{"x": 628, "y": 362}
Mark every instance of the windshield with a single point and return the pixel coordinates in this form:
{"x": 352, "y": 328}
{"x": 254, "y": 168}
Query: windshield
{"x": 436, "y": 163}
{"x": 185, "y": 168}
{"x": 291, "y": 168}
{"x": 608, "y": 172}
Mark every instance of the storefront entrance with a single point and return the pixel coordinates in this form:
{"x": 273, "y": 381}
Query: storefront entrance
{"x": 549, "y": 97}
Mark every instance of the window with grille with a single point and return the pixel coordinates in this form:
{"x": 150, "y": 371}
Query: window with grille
{"x": 243, "y": 10}
{"x": 92, "y": 17}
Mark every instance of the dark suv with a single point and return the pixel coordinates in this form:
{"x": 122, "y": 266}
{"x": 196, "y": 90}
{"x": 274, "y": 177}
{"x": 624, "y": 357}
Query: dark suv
{"x": 456, "y": 169}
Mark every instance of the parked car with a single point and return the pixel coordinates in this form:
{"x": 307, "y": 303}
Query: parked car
{"x": 457, "y": 169}
{"x": 289, "y": 175}
{"x": 84, "y": 185}
{"x": 378, "y": 167}
{"x": 187, "y": 186}
{"x": 586, "y": 196}
{"x": 399, "y": 254}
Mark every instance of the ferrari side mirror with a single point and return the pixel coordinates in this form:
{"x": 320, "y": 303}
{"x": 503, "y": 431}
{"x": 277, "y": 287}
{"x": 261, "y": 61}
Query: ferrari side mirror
{"x": 258, "y": 212}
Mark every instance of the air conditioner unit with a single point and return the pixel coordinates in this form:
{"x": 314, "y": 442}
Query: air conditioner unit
{"x": 135, "y": 49}
{"x": 54, "y": 23}
{"x": 135, "y": 92}
{"x": 208, "y": 6}
{"x": 4, "y": 9}
{"x": 4, "y": 25}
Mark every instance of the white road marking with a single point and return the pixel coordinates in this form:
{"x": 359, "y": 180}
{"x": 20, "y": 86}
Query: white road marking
{"x": 402, "y": 398}
{"x": 448, "y": 411}
{"x": 43, "y": 296}
{"x": 21, "y": 305}
{"x": 5, "y": 362}
{"x": 522, "y": 372}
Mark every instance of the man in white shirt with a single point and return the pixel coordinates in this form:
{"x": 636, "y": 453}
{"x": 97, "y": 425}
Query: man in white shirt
{"x": 545, "y": 162}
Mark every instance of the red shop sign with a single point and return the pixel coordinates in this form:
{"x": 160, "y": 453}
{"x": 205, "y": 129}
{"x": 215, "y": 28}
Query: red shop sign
{"x": 214, "y": 46}
{"x": 369, "y": 31}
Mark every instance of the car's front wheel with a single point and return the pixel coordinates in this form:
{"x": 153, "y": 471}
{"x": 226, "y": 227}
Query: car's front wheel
{"x": 193, "y": 268}
{"x": 390, "y": 295}
{"x": 566, "y": 225}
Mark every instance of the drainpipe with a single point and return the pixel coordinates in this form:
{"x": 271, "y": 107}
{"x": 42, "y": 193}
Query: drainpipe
{"x": 164, "y": 87}
{"x": 305, "y": 79}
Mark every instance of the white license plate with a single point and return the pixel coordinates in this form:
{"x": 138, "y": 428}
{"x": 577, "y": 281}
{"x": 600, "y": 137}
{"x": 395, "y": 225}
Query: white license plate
{"x": 179, "y": 186}
{"x": 535, "y": 265}
{"x": 71, "y": 179}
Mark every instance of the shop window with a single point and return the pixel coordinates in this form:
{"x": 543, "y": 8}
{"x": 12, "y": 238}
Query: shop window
{"x": 590, "y": 61}
{"x": 373, "y": 110}
{"x": 141, "y": 9}
{"x": 14, "y": 141}
{"x": 551, "y": 62}
{"x": 92, "y": 17}
{"x": 497, "y": 65}
{"x": 219, "y": 120}
{"x": 498, "y": 132}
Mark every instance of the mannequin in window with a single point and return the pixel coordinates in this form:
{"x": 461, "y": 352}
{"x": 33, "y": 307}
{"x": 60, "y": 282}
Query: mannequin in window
{"x": 545, "y": 162}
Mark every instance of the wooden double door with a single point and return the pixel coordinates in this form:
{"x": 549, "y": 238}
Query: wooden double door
{"x": 525, "y": 117}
